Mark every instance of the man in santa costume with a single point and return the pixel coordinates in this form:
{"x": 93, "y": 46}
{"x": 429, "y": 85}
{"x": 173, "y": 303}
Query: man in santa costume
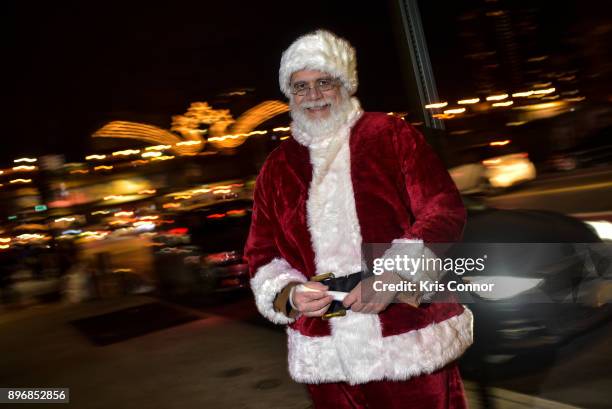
{"x": 346, "y": 178}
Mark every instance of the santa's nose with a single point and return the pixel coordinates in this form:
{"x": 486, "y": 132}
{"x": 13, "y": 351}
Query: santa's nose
{"x": 314, "y": 93}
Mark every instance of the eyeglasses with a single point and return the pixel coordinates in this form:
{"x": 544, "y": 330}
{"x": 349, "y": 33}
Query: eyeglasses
{"x": 302, "y": 88}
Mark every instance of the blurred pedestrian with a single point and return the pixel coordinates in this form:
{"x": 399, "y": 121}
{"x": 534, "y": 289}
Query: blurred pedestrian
{"x": 8, "y": 265}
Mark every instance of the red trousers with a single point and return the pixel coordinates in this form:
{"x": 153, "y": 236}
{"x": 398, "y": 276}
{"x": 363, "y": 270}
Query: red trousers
{"x": 442, "y": 389}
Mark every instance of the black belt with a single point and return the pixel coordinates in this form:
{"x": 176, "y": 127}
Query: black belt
{"x": 343, "y": 284}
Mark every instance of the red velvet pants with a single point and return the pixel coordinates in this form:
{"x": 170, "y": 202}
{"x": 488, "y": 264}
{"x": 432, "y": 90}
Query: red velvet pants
{"x": 442, "y": 389}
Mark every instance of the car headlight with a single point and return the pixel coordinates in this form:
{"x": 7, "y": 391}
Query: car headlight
{"x": 500, "y": 287}
{"x": 602, "y": 228}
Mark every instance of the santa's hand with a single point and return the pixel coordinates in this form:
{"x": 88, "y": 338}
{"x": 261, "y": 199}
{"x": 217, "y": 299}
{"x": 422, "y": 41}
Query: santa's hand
{"x": 363, "y": 298}
{"x": 311, "y": 303}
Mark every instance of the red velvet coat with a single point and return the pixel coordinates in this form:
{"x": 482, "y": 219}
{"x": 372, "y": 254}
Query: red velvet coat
{"x": 400, "y": 190}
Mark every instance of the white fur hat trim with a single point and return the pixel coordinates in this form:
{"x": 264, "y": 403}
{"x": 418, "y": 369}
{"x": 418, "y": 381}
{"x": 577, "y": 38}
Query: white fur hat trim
{"x": 320, "y": 51}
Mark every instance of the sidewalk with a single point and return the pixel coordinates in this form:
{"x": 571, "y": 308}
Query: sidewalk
{"x": 505, "y": 399}
{"x": 213, "y": 362}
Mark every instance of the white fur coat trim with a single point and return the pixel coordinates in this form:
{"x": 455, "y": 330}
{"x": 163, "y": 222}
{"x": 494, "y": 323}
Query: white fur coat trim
{"x": 331, "y": 212}
{"x": 414, "y": 249}
{"x": 397, "y": 357}
{"x": 268, "y": 281}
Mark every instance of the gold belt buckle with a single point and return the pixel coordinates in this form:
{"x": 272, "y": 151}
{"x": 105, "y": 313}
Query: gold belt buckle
{"x": 322, "y": 277}
{"x": 339, "y": 313}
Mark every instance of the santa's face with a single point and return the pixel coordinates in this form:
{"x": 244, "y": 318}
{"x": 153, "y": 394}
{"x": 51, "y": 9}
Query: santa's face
{"x": 320, "y": 93}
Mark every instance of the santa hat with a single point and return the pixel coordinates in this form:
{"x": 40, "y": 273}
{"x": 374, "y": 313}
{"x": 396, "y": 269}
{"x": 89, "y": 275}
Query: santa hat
{"x": 320, "y": 51}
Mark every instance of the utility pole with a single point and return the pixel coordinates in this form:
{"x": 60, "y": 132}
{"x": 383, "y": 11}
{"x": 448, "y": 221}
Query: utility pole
{"x": 418, "y": 76}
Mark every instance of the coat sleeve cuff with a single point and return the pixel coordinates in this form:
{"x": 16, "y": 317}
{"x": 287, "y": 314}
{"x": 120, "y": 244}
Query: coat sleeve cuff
{"x": 414, "y": 249}
{"x": 268, "y": 282}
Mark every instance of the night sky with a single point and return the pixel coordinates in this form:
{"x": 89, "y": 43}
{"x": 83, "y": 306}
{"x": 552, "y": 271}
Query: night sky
{"x": 76, "y": 65}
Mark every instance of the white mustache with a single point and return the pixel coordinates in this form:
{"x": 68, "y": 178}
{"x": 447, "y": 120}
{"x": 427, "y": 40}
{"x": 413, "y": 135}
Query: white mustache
{"x": 315, "y": 104}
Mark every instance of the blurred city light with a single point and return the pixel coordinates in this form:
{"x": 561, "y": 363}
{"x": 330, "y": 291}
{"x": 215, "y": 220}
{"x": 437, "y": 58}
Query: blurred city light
{"x": 603, "y": 229}
{"x": 158, "y": 147}
{"x": 151, "y": 154}
{"x": 188, "y": 143}
{"x": 113, "y": 197}
{"x": 522, "y": 94}
{"x": 95, "y": 157}
{"x": 468, "y": 101}
{"x": 541, "y": 106}
{"x": 454, "y": 111}
{"x": 164, "y": 157}
{"x": 24, "y": 168}
{"x": 436, "y": 105}
{"x": 502, "y": 104}
{"x": 544, "y": 91}
{"x": 500, "y": 143}
{"x": 127, "y": 152}
{"x": 575, "y": 99}
{"x": 64, "y": 219}
{"x": 497, "y": 97}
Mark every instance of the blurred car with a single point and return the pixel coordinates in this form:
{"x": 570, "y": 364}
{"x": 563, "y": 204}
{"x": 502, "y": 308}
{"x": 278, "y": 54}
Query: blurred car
{"x": 488, "y": 167}
{"x": 509, "y": 170}
{"x": 201, "y": 252}
{"x": 595, "y": 150}
{"x": 470, "y": 178}
{"x": 226, "y": 271}
{"x": 554, "y": 272}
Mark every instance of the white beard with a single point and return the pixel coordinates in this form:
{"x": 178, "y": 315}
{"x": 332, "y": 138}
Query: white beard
{"x": 319, "y": 130}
